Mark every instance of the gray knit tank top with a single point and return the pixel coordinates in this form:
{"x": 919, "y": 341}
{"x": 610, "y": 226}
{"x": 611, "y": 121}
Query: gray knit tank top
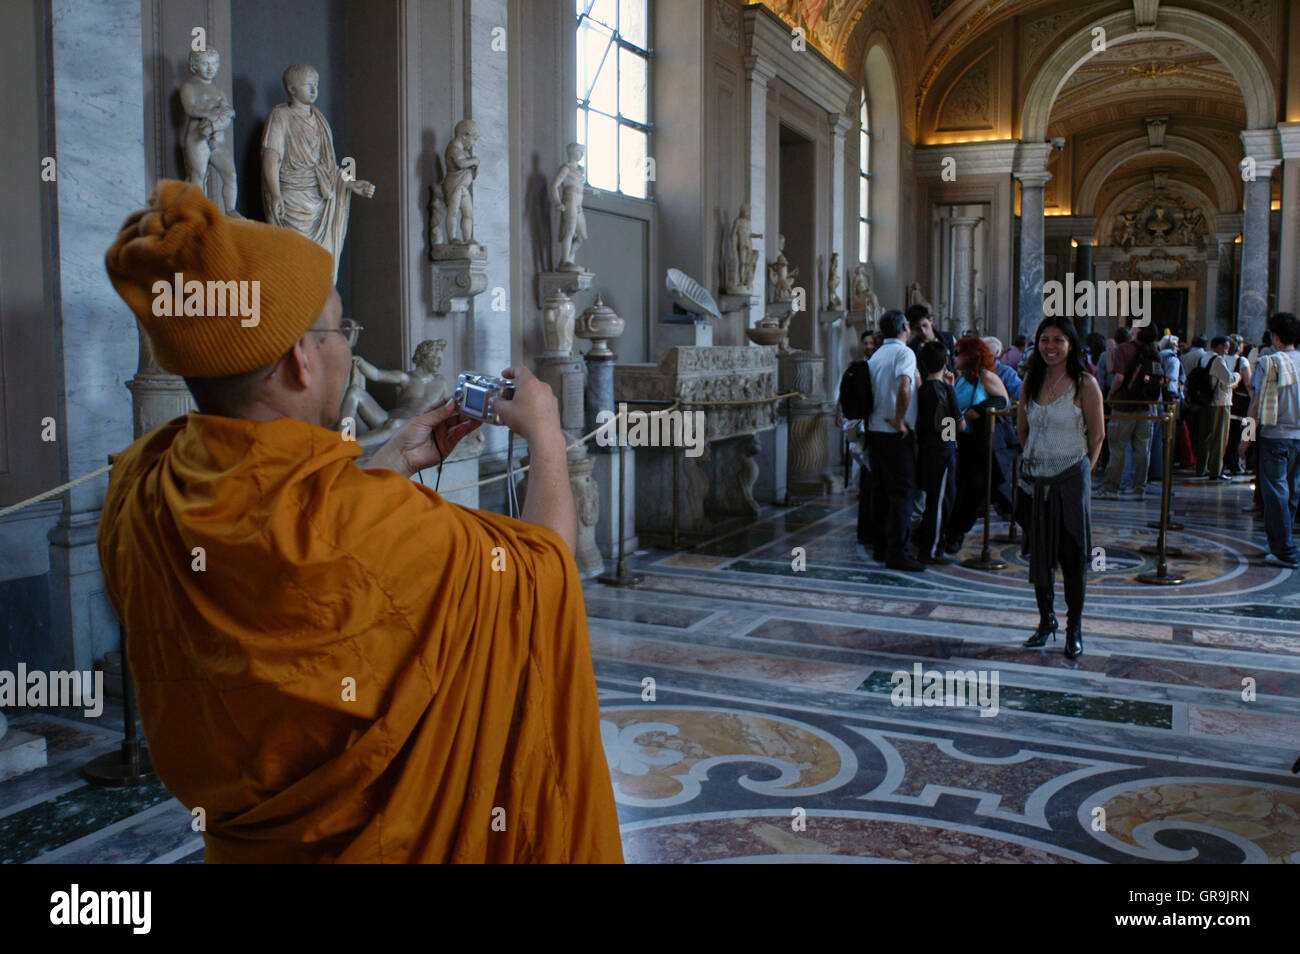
{"x": 1057, "y": 436}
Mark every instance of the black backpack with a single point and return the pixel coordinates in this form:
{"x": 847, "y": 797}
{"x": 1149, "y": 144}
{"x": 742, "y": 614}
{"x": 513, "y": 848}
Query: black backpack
{"x": 856, "y": 398}
{"x": 1200, "y": 386}
{"x": 1146, "y": 382}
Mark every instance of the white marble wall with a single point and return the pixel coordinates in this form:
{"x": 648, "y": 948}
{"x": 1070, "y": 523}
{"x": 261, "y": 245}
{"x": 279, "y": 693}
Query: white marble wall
{"x": 99, "y": 124}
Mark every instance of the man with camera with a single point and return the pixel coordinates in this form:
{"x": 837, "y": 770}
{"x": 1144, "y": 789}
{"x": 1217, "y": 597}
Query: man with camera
{"x": 337, "y": 664}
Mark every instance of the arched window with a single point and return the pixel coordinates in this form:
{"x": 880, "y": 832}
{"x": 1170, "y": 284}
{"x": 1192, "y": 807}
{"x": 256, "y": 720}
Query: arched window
{"x": 864, "y": 183}
{"x": 614, "y": 94}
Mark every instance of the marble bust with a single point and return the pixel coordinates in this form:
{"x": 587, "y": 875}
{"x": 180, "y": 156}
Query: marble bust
{"x": 208, "y": 114}
{"x": 303, "y": 186}
{"x": 567, "y": 191}
{"x": 417, "y": 391}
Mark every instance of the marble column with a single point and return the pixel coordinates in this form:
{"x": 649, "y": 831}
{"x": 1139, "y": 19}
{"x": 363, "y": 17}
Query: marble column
{"x": 99, "y": 139}
{"x": 1252, "y": 299}
{"x": 1288, "y": 277}
{"x": 963, "y": 263}
{"x": 1225, "y": 285}
{"x": 1262, "y": 149}
{"x": 834, "y": 340}
{"x": 1083, "y": 269}
{"x": 1030, "y": 299}
{"x": 758, "y": 72}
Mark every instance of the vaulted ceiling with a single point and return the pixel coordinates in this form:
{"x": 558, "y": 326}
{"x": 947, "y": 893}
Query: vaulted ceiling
{"x": 965, "y": 66}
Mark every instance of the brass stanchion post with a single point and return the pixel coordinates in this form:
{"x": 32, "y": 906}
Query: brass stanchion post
{"x": 676, "y": 544}
{"x": 1162, "y": 576}
{"x": 985, "y": 560}
{"x": 131, "y": 765}
{"x": 1013, "y": 529}
{"x": 1170, "y": 524}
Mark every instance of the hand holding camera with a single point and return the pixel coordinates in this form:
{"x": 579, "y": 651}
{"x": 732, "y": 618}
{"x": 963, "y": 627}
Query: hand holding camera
{"x": 531, "y": 411}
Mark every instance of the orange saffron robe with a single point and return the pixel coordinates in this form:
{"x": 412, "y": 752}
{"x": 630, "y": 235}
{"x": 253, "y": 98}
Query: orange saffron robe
{"x": 351, "y": 669}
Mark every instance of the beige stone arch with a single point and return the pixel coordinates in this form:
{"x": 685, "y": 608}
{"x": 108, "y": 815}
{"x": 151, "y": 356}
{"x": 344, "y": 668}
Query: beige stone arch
{"x": 1106, "y": 221}
{"x": 1209, "y": 162}
{"x": 1173, "y": 23}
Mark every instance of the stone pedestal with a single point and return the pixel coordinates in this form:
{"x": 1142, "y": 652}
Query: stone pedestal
{"x": 963, "y": 265}
{"x": 567, "y": 282}
{"x": 773, "y": 464}
{"x": 20, "y": 752}
{"x": 457, "y": 278}
{"x": 586, "y": 499}
{"x": 733, "y": 468}
{"x": 607, "y": 488}
{"x": 563, "y": 372}
{"x": 685, "y": 331}
{"x": 808, "y": 472}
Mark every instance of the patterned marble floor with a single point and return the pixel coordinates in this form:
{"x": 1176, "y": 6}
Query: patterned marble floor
{"x": 748, "y": 708}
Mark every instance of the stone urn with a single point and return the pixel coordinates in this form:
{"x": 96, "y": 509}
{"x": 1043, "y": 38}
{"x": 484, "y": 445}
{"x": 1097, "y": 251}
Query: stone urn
{"x": 599, "y": 323}
{"x": 765, "y": 333}
{"x": 558, "y": 317}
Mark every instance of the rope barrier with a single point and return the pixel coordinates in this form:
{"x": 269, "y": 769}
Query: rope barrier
{"x": 478, "y": 483}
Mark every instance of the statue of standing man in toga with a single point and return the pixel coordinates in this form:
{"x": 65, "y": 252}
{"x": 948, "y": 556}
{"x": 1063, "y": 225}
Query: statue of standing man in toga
{"x": 303, "y": 186}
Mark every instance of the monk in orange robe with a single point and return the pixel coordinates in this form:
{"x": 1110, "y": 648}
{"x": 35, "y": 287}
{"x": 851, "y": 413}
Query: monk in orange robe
{"x": 335, "y": 663}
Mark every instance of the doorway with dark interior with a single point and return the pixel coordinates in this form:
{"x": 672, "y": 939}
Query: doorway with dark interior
{"x": 1169, "y": 310}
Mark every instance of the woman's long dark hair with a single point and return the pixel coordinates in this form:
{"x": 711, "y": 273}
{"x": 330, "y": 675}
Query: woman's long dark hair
{"x": 1074, "y": 365}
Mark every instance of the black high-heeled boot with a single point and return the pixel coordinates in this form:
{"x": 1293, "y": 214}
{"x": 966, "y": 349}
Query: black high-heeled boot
{"x": 1046, "y": 618}
{"x": 1073, "y": 639}
{"x": 1074, "y": 591}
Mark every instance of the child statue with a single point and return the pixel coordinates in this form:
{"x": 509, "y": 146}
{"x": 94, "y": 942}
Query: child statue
{"x": 208, "y": 115}
{"x": 458, "y": 183}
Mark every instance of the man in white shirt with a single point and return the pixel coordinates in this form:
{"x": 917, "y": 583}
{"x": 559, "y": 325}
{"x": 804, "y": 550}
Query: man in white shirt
{"x": 894, "y": 384}
{"x": 1220, "y": 409}
{"x": 1279, "y": 439}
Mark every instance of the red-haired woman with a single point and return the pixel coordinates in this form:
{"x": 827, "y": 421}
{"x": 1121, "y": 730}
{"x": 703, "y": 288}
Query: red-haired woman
{"x": 978, "y": 389}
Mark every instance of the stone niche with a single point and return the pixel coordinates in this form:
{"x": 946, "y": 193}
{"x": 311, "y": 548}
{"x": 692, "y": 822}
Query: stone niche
{"x": 718, "y": 483}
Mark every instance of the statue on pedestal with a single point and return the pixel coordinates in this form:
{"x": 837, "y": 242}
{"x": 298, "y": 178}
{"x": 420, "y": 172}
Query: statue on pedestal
{"x": 914, "y": 297}
{"x": 458, "y": 183}
{"x": 208, "y": 114}
{"x": 417, "y": 390}
{"x": 303, "y": 186}
{"x": 566, "y": 191}
{"x": 742, "y": 258}
{"x": 834, "y": 302}
{"x": 782, "y": 274}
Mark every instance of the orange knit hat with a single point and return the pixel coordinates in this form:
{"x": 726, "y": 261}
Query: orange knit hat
{"x": 216, "y": 295}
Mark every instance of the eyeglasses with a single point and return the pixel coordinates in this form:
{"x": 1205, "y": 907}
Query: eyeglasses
{"x": 348, "y": 328}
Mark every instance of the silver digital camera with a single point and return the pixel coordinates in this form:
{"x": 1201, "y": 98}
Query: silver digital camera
{"x": 477, "y": 394}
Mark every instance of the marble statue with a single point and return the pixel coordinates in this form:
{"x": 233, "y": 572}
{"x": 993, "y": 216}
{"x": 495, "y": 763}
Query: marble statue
{"x": 437, "y": 216}
{"x": 1159, "y": 226}
{"x": 417, "y": 391}
{"x": 566, "y": 191}
{"x": 458, "y": 183}
{"x": 208, "y": 114}
{"x": 303, "y": 186}
{"x": 782, "y": 274}
{"x": 833, "y": 301}
{"x": 1190, "y": 230}
{"x": 914, "y": 297}
{"x": 1125, "y": 232}
{"x": 742, "y": 260}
